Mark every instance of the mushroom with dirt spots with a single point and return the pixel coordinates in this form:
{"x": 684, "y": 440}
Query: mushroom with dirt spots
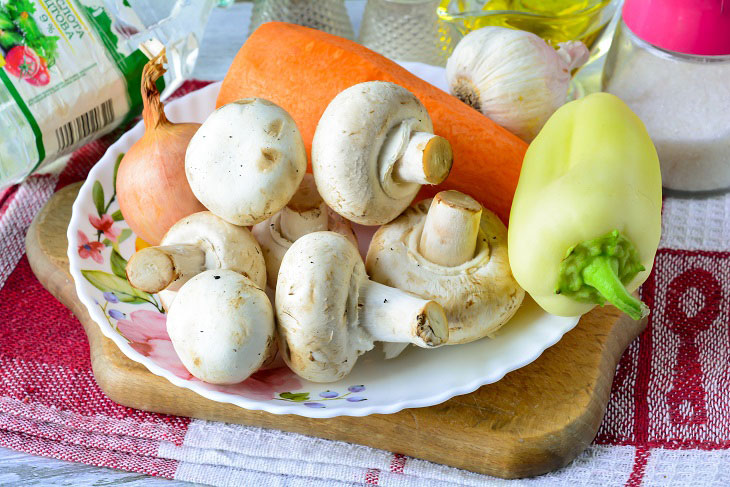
{"x": 194, "y": 244}
{"x": 305, "y": 213}
{"x": 373, "y": 149}
{"x": 222, "y": 326}
{"x": 246, "y": 161}
{"x": 329, "y": 312}
{"x": 453, "y": 251}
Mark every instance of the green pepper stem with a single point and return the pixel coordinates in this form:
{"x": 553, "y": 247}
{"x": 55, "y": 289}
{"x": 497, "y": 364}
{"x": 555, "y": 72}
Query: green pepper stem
{"x": 601, "y": 275}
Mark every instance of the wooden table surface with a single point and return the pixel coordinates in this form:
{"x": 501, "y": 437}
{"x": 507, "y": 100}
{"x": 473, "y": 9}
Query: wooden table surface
{"x": 227, "y": 31}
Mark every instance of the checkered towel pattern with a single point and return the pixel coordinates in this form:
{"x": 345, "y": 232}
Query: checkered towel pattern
{"x": 667, "y": 423}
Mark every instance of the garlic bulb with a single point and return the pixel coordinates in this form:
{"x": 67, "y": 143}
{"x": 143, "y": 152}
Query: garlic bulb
{"x": 513, "y": 77}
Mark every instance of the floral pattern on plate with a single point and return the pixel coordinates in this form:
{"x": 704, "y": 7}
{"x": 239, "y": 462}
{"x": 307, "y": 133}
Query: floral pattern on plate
{"x": 145, "y": 329}
{"x": 327, "y": 395}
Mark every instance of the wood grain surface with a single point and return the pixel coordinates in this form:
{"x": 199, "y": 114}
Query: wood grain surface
{"x": 533, "y": 421}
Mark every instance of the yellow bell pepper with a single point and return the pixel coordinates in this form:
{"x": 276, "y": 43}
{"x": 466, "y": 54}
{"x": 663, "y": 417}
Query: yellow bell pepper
{"x": 586, "y": 217}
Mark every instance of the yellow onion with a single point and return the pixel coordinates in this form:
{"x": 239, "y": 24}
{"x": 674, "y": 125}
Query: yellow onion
{"x": 152, "y": 189}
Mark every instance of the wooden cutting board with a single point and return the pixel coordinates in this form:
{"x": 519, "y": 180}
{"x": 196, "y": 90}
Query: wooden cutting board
{"x": 535, "y": 420}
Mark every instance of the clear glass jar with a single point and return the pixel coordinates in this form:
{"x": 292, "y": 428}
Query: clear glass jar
{"x": 326, "y": 15}
{"x": 684, "y": 101}
{"x": 408, "y": 30}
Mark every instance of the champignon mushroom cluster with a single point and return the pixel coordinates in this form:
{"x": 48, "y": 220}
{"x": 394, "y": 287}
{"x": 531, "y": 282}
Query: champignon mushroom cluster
{"x": 438, "y": 271}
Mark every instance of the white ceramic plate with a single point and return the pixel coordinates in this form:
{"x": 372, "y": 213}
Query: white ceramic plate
{"x": 100, "y": 242}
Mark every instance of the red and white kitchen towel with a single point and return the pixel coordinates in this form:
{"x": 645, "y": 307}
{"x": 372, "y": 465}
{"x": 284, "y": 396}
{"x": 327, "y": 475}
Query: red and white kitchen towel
{"x": 668, "y": 420}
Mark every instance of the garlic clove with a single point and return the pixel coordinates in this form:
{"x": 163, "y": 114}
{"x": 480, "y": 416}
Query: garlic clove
{"x": 513, "y": 77}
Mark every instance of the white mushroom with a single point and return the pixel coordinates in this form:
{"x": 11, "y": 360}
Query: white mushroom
{"x": 196, "y": 243}
{"x": 373, "y": 149}
{"x": 329, "y": 312}
{"x": 246, "y": 161}
{"x": 221, "y": 326}
{"x": 453, "y": 251}
{"x": 305, "y": 213}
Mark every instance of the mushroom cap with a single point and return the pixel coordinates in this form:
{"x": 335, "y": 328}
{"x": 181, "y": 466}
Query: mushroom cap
{"x": 226, "y": 246}
{"x": 478, "y": 296}
{"x": 246, "y": 161}
{"x": 274, "y": 245}
{"x": 317, "y": 307}
{"x": 221, "y": 326}
{"x": 307, "y": 197}
{"x": 346, "y": 150}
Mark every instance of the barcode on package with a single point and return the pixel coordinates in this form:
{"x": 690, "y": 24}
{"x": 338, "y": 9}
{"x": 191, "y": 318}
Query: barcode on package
{"x": 84, "y": 125}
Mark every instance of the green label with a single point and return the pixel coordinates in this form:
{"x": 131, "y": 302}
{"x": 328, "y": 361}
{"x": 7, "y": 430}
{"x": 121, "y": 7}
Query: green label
{"x": 70, "y": 75}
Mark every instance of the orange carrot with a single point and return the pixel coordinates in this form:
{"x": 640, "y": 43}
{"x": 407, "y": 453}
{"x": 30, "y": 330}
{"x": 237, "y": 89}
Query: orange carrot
{"x": 302, "y": 70}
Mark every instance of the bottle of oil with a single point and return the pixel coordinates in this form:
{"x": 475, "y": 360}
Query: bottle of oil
{"x": 554, "y": 20}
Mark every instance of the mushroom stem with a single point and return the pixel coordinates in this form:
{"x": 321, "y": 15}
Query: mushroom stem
{"x": 392, "y": 350}
{"x": 305, "y": 213}
{"x": 426, "y": 160}
{"x": 391, "y": 315}
{"x": 451, "y": 229}
{"x": 166, "y": 267}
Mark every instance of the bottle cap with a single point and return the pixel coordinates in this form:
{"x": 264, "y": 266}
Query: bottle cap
{"x": 700, "y": 27}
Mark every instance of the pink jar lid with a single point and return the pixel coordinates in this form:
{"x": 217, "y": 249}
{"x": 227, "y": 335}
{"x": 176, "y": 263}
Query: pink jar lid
{"x": 699, "y": 27}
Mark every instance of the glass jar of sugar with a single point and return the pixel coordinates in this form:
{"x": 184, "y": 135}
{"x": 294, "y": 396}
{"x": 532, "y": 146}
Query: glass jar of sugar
{"x": 670, "y": 62}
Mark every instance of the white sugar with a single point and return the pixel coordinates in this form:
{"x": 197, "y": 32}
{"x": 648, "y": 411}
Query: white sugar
{"x": 686, "y": 108}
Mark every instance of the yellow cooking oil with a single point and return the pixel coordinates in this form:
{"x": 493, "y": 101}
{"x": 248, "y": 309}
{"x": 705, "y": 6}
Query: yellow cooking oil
{"x": 554, "y": 20}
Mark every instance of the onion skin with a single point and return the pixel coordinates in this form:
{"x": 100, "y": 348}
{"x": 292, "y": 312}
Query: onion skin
{"x": 152, "y": 189}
